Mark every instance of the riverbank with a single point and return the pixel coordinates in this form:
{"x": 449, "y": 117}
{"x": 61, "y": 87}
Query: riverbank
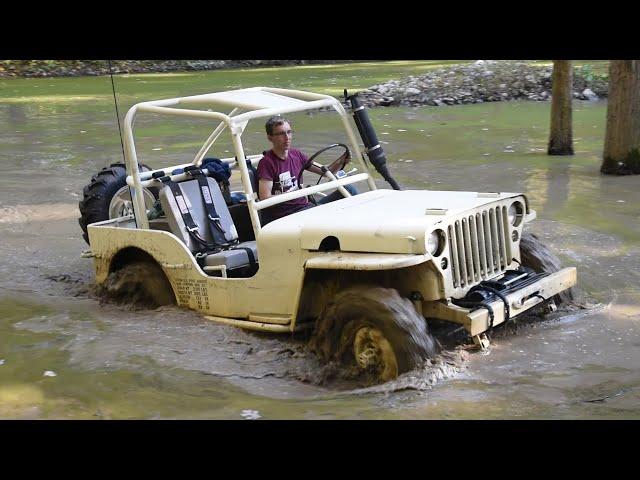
{"x": 456, "y": 83}
{"x": 482, "y": 81}
{"x": 77, "y": 68}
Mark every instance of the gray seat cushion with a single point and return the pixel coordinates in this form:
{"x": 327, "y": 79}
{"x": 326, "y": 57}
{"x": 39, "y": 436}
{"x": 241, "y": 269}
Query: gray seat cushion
{"x": 234, "y": 258}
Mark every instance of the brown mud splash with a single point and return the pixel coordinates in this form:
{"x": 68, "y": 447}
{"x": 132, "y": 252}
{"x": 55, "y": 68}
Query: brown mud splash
{"x": 534, "y": 254}
{"x": 139, "y": 285}
{"x": 349, "y": 380}
{"x": 261, "y": 356}
{"x": 371, "y": 307}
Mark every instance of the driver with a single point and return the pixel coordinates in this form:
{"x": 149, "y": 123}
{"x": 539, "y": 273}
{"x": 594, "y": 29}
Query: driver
{"x": 280, "y": 167}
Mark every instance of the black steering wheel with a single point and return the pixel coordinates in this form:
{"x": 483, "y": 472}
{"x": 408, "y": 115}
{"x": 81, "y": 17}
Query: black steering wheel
{"x": 322, "y": 150}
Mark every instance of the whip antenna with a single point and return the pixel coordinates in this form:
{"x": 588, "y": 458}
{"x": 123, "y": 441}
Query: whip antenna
{"x": 115, "y": 101}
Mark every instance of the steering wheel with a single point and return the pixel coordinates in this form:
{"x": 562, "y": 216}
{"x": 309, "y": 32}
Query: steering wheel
{"x": 322, "y": 150}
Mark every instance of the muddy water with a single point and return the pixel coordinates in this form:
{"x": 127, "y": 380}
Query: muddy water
{"x": 65, "y": 353}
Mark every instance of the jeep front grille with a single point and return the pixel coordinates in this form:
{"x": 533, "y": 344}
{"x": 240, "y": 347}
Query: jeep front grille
{"x": 479, "y": 246}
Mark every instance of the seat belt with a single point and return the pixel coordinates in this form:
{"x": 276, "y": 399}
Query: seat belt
{"x": 217, "y": 231}
{"x": 192, "y": 226}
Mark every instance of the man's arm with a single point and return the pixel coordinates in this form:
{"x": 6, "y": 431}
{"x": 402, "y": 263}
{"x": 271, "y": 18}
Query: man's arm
{"x": 264, "y": 188}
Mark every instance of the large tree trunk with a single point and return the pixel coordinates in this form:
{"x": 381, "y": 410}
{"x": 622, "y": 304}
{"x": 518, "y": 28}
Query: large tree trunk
{"x": 622, "y": 138}
{"x": 561, "y": 135}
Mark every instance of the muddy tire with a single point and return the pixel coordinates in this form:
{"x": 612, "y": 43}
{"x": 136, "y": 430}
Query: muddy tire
{"x": 97, "y": 195}
{"x": 374, "y": 330}
{"x": 535, "y": 255}
{"x": 142, "y": 284}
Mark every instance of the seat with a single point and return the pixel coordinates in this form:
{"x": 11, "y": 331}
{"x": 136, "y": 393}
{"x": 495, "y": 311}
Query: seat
{"x": 233, "y": 258}
{"x": 240, "y": 211}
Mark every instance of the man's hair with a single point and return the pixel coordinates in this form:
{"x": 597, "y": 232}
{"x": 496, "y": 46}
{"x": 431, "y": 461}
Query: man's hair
{"x": 274, "y": 122}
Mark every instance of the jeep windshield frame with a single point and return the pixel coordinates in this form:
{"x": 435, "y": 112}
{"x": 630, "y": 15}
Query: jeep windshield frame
{"x": 246, "y": 105}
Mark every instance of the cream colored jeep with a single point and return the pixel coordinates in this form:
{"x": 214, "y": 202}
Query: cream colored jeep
{"x": 364, "y": 273}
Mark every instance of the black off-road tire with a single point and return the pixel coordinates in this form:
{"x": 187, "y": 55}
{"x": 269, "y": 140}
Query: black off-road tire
{"x": 537, "y": 256}
{"x": 140, "y": 283}
{"x": 94, "y": 206}
{"x": 371, "y": 307}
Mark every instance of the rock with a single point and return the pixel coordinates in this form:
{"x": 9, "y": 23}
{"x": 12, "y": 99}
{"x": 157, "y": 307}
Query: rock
{"x": 474, "y": 83}
{"x": 589, "y": 95}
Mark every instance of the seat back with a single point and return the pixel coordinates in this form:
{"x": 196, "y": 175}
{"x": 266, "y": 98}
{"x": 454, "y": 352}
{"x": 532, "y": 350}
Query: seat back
{"x": 253, "y": 176}
{"x": 193, "y": 199}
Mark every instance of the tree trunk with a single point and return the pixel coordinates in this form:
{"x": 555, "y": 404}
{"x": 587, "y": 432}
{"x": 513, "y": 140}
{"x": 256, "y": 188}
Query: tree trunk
{"x": 622, "y": 138}
{"x": 561, "y": 135}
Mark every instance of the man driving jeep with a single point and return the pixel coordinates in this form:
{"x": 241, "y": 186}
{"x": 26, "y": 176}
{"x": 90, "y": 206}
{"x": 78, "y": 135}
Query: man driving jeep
{"x": 280, "y": 168}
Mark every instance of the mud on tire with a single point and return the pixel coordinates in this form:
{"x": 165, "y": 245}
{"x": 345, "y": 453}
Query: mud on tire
{"x": 97, "y": 195}
{"x": 140, "y": 283}
{"x": 367, "y": 309}
{"x": 534, "y": 254}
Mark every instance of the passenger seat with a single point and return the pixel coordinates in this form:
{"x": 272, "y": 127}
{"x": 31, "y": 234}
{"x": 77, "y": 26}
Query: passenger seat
{"x": 238, "y": 256}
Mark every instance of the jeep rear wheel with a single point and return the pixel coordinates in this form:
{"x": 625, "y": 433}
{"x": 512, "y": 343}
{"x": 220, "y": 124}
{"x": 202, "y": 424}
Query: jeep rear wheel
{"x": 107, "y": 196}
{"x": 375, "y": 330}
{"x": 140, "y": 283}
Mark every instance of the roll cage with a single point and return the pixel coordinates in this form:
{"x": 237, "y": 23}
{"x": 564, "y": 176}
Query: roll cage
{"x": 246, "y": 105}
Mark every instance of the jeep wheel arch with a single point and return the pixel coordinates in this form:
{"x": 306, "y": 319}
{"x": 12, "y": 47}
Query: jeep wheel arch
{"x": 136, "y": 277}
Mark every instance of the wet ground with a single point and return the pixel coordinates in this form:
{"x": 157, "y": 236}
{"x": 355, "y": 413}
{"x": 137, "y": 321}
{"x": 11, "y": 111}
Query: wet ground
{"x": 65, "y": 353}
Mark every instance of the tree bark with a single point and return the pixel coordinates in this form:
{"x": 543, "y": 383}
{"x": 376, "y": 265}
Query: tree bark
{"x": 621, "y": 154}
{"x": 561, "y": 134}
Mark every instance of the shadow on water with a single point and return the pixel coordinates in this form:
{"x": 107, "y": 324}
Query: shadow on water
{"x": 111, "y": 361}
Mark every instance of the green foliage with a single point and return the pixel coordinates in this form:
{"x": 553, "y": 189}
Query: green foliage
{"x": 589, "y": 74}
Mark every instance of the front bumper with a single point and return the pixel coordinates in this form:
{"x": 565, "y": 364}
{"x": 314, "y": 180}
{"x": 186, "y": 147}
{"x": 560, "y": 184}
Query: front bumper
{"x": 478, "y": 321}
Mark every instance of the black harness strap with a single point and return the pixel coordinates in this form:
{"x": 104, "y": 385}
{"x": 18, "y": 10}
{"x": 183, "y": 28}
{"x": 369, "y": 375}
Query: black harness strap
{"x": 192, "y": 227}
{"x": 217, "y": 231}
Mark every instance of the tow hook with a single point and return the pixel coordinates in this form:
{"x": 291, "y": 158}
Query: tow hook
{"x": 550, "y": 307}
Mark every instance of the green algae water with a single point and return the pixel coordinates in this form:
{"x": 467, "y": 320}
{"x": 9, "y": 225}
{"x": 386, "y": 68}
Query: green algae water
{"x": 65, "y": 354}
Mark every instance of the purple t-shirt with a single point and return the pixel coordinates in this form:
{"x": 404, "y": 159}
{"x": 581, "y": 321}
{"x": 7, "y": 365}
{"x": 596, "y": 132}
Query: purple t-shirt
{"x": 284, "y": 175}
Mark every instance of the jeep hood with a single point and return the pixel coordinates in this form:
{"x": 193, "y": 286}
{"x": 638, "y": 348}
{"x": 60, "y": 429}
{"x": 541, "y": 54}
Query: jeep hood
{"x": 385, "y": 221}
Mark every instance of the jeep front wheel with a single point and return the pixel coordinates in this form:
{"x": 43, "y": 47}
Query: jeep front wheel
{"x": 536, "y": 255}
{"x": 375, "y": 330}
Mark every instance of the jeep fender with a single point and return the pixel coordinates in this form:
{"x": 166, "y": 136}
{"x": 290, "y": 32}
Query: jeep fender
{"x": 327, "y": 273}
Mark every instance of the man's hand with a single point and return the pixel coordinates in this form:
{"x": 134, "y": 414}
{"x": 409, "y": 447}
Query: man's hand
{"x": 340, "y": 162}
{"x": 345, "y": 158}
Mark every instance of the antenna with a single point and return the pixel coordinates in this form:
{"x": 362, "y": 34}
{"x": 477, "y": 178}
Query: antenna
{"x": 115, "y": 101}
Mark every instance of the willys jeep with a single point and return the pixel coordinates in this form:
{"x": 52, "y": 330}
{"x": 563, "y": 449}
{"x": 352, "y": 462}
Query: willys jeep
{"x": 365, "y": 273}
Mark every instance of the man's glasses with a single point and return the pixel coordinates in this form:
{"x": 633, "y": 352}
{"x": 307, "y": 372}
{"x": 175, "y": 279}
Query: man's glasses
{"x": 282, "y": 134}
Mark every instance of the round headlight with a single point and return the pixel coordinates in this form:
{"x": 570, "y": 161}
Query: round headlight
{"x": 435, "y": 242}
{"x": 515, "y": 213}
